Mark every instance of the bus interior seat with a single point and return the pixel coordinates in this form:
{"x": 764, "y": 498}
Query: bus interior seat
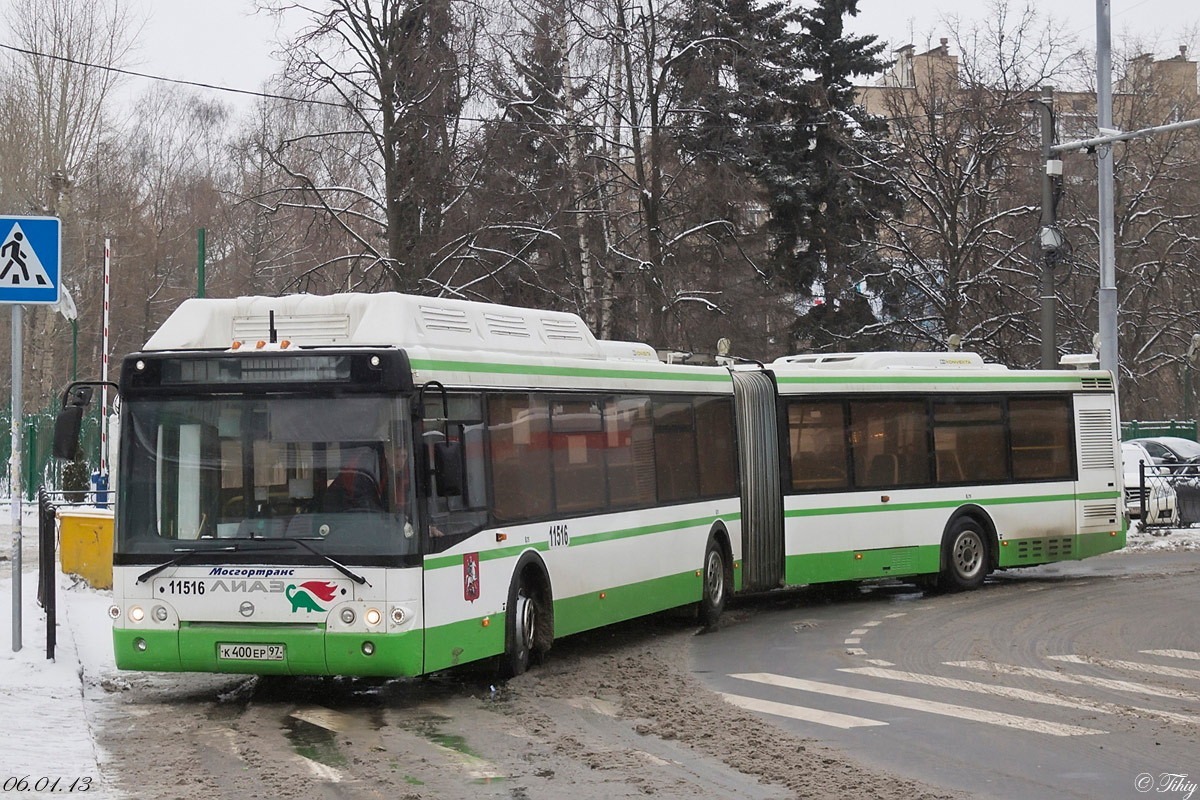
{"x": 884, "y": 470}
{"x": 949, "y": 468}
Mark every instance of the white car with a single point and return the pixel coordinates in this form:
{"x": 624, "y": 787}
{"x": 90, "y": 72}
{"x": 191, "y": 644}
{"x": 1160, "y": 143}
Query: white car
{"x": 1161, "y": 503}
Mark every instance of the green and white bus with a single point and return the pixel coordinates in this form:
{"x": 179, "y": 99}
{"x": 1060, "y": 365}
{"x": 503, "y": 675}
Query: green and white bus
{"x": 934, "y": 465}
{"x": 393, "y": 485}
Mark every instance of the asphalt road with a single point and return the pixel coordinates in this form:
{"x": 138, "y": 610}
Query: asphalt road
{"x": 1076, "y": 680}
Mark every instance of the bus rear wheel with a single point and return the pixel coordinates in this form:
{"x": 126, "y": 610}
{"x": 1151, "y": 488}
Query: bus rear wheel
{"x": 712, "y": 600}
{"x": 965, "y": 556}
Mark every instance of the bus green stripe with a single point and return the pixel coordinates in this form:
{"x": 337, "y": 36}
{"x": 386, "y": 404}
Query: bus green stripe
{"x": 470, "y": 640}
{"x": 564, "y": 372}
{"x": 955, "y": 503}
{"x": 441, "y": 562}
{"x": 644, "y": 530}
{"x": 949, "y": 379}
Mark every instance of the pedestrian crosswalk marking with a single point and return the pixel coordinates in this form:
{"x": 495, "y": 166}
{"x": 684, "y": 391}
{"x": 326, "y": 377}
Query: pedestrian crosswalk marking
{"x": 801, "y": 713}
{"x": 1173, "y": 653}
{"x": 1132, "y": 666}
{"x": 1018, "y": 694}
{"x": 916, "y": 704}
{"x": 1087, "y": 680}
{"x": 972, "y": 686}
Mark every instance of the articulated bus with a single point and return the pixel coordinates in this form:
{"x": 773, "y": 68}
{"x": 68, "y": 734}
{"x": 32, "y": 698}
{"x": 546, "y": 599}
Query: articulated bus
{"x": 392, "y": 485}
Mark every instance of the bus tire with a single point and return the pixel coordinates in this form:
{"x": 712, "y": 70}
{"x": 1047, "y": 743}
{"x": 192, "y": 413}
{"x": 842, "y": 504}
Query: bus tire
{"x": 964, "y": 555}
{"x": 527, "y": 622}
{"x": 715, "y": 588}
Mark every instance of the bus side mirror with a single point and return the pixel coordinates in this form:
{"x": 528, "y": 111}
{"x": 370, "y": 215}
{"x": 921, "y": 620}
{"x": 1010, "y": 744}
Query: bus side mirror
{"x": 448, "y": 468}
{"x": 69, "y": 421}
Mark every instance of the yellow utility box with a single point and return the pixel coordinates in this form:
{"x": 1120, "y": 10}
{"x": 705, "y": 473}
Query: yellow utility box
{"x": 86, "y": 544}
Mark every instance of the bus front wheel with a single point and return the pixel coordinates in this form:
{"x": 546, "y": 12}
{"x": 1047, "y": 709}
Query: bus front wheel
{"x": 526, "y": 627}
{"x": 712, "y": 600}
{"x": 965, "y": 556}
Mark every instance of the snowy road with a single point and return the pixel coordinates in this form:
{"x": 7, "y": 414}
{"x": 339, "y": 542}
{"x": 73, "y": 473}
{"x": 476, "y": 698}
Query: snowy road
{"x": 612, "y": 714}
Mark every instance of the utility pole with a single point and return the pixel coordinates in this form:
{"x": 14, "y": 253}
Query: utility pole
{"x": 1051, "y": 240}
{"x": 1107, "y": 228}
{"x": 1102, "y": 146}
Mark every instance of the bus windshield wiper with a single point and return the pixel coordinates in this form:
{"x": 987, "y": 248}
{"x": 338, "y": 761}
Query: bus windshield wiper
{"x": 187, "y": 552}
{"x": 184, "y": 554}
{"x": 342, "y": 568}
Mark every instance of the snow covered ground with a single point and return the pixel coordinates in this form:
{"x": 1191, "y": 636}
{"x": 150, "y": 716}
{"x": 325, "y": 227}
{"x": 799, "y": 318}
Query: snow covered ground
{"x": 44, "y": 705}
{"x": 46, "y": 727}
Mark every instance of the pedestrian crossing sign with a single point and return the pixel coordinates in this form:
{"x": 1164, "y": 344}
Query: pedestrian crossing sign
{"x": 30, "y": 260}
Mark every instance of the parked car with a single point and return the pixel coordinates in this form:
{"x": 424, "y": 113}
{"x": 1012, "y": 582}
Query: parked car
{"x": 1161, "y": 502}
{"x": 1173, "y": 450}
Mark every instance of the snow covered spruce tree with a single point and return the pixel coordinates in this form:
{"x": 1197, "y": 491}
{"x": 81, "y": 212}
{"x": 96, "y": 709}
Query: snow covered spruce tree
{"x": 821, "y": 169}
{"x": 774, "y": 114}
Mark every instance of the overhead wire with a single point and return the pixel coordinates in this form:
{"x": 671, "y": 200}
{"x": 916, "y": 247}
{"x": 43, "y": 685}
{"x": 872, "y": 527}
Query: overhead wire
{"x": 461, "y": 118}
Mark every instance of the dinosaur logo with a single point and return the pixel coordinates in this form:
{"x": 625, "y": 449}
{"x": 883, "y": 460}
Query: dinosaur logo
{"x": 301, "y": 598}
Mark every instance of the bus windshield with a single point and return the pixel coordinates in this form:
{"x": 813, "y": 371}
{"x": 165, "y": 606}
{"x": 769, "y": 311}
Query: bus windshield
{"x": 332, "y": 471}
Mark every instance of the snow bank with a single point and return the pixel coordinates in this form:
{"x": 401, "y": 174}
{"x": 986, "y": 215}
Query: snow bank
{"x": 42, "y": 712}
{"x": 1164, "y": 539}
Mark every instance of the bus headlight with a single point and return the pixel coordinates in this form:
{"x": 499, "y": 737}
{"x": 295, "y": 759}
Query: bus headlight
{"x": 160, "y": 613}
{"x": 114, "y": 612}
{"x": 373, "y": 616}
{"x": 398, "y": 615}
{"x": 136, "y": 614}
{"x": 348, "y": 616}
{"x": 368, "y": 649}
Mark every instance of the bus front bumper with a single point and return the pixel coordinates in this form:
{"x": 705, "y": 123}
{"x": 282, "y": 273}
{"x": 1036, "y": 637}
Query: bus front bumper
{"x": 268, "y": 650}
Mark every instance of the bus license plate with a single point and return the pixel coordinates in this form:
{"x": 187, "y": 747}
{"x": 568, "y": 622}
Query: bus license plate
{"x": 251, "y": 652}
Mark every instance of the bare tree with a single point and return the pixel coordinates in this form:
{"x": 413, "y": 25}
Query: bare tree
{"x": 959, "y": 258}
{"x": 56, "y": 119}
{"x": 1157, "y": 206}
{"x": 400, "y": 71}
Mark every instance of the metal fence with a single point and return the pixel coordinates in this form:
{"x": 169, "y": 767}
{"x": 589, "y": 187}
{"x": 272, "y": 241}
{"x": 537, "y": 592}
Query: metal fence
{"x": 1141, "y": 429}
{"x": 38, "y": 467}
{"x": 1167, "y": 496}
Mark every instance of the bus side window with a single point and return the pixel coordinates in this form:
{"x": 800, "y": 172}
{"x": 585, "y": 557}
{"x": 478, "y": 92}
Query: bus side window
{"x": 578, "y": 445}
{"x": 451, "y": 518}
{"x": 629, "y": 451}
{"x": 675, "y": 449}
{"x": 519, "y": 437}
{"x": 817, "y": 440}
{"x": 716, "y": 446}
{"x": 889, "y": 443}
{"x": 1041, "y": 438}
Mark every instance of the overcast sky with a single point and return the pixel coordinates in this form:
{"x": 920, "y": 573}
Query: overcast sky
{"x": 1163, "y": 24}
{"x": 224, "y": 42}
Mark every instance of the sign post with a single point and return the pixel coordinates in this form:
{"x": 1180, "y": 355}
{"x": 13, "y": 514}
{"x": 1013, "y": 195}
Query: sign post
{"x": 30, "y": 274}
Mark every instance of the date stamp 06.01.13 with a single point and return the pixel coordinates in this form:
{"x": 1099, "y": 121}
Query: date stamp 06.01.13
{"x": 45, "y": 783}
